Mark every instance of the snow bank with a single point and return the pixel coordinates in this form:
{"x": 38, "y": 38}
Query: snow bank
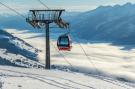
{"x": 15, "y": 78}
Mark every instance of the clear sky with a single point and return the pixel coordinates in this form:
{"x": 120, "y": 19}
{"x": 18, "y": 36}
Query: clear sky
{"x": 70, "y": 5}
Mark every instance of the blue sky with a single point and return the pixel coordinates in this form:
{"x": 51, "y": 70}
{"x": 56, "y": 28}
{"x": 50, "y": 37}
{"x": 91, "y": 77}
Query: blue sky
{"x": 70, "y": 5}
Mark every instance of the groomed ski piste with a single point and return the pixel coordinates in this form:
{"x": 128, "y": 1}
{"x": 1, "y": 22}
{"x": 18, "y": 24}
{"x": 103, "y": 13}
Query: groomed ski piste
{"x": 109, "y": 68}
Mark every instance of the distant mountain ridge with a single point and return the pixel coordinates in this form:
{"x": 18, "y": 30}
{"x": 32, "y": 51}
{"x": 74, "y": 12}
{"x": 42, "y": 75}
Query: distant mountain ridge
{"x": 107, "y": 23}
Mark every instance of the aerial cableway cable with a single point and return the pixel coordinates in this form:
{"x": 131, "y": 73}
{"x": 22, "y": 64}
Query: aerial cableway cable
{"x": 54, "y": 46}
{"x": 85, "y": 53}
{"x": 89, "y": 59}
{"x": 43, "y": 4}
{"x": 62, "y": 55}
{"x": 12, "y": 10}
{"x": 25, "y": 17}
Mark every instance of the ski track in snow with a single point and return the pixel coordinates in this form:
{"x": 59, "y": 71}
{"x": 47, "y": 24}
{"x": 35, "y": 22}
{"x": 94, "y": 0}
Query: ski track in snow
{"x": 67, "y": 84}
{"x": 45, "y": 79}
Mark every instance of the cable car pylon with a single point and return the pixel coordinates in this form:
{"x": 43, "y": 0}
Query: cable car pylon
{"x": 42, "y": 19}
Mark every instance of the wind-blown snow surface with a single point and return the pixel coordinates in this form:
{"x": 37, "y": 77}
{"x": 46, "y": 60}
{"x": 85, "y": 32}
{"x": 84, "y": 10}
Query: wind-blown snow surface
{"x": 18, "y": 78}
{"x": 14, "y": 50}
{"x": 112, "y": 62}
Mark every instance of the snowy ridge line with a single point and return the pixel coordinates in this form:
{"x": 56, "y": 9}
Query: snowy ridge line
{"x": 47, "y": 80}
{"x": 24, "y": 62}
{"x": 98, "y": 76}
{"x": 22, "y": 44}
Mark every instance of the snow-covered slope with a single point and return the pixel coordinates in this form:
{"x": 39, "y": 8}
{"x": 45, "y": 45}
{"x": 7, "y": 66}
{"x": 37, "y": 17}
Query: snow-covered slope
{"x": 16, "y": 52}
{"x": 108, "y": 63}
{"x": 18, "y": 78}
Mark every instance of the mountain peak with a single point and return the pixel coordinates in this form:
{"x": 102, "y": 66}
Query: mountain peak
{"x": 102, "y": 7}
{"x": 117, "y": 5}
{"x": 128, "y": 4}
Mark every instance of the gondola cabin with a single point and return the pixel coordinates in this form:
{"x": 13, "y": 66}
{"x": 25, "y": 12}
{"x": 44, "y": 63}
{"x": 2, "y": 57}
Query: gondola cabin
{"x": 64, "y": 43}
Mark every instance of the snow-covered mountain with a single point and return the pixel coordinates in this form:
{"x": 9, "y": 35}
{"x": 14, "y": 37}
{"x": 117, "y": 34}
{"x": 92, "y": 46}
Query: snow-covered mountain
{"x": 13, "y": 21}
{"x": 13, "y": 49}
{"x": 107, "y": 23}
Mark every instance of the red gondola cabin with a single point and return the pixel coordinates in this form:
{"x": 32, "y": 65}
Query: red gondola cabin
{"x": 64, "y": 43}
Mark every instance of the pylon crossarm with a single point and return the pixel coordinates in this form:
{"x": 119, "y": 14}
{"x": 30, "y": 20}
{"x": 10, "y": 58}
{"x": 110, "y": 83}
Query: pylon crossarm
{"x": 34, "y": 23}
{"x": 62, "y": 24}
{"x": 37, "y": 17}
